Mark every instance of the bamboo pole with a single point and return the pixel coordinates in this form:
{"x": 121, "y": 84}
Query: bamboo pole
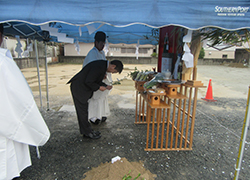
{"x": 195, "y": 49}
{"x": 243, "y": 138}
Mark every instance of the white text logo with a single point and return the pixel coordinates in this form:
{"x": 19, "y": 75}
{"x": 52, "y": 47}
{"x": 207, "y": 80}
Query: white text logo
{"x": 231, "y": 11}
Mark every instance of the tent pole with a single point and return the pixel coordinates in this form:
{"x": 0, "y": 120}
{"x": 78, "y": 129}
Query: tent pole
{"x": 46, "y": 71}
{"x": 38, "y": 74}
{"x": 243, "y": 139}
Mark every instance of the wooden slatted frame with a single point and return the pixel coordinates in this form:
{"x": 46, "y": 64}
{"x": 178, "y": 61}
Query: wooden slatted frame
{"x": 157, "y": 117}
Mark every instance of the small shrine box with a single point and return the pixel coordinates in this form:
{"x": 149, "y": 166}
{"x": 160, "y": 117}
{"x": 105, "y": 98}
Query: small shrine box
{"x": 154, "y": 97}
{"x": 135, "y": 84}
{"x": 140, "y": 85}
{"x": 171, "y": 89}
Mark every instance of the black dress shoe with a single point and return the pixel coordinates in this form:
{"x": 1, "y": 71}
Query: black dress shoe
{"x": 96, "y": 122}
{"x": 97, "y": 132}
{"x": 92, "y": 135}
{"x": 104, "y": 119}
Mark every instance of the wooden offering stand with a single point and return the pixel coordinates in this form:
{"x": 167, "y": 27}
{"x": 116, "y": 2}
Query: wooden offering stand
{"x": 169, "y": 116}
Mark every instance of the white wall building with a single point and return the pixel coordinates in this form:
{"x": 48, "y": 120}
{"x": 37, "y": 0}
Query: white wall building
{"x": 217, "y": 52}
{"x": 116, "y": 50}
{"x": 211, "y": 53}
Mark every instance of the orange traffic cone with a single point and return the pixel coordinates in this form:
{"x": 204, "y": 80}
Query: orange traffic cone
{"x": 209, "y": 95}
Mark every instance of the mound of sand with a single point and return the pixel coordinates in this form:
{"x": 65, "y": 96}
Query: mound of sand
{"x": 119, "y": 169}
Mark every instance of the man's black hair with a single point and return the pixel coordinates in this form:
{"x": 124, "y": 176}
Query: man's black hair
{"x": 100, "y": 36}
{"x": 1, "y": 28}
{"x": 119, "y": 65}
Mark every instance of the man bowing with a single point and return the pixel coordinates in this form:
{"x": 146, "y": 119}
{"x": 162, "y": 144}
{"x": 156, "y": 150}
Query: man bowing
{"x": 84, "y": 83}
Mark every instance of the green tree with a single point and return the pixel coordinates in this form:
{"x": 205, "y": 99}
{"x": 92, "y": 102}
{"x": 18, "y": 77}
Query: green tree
{"x": 219, "y": 36}
{"x": 202, "y": 53}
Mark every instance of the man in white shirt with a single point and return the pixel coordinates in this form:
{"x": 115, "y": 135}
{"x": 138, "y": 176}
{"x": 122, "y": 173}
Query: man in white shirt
{"x": 21, "y": 122}
{"x": 96, "y": 53}
{"x": 98, "y": 104}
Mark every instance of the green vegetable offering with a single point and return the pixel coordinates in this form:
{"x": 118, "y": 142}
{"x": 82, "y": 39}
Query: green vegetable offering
{"x": 152, "y": 84}
{"x": 138, "y": 76}
{"x": 143, "y": 77}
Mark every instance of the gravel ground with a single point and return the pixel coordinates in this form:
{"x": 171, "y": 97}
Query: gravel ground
{"x": 216, "y": 139}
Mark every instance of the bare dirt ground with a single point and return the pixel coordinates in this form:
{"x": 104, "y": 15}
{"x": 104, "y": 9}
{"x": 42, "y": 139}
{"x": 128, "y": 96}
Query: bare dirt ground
{"x": 216, "y": 140}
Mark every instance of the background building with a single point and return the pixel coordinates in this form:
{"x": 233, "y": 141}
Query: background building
{"x": 114, "y": 50}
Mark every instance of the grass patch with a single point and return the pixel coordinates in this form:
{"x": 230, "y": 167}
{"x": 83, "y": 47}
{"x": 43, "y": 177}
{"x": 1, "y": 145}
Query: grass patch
{"x": 238, "y": 65}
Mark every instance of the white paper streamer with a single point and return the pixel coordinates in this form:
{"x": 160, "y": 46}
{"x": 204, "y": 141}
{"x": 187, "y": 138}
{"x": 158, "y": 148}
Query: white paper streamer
{"x": 188, "y": 36}
{"x": 29, "y": 49}
{"x": 61, "y": 37}
{"x": 186, "y": 48}
{"x": 106, "y": 47}
{"x": 91, "y": 29}
{"x": 77, "y": 47}
{"x": 137, "y": 49}
{"x": 52, "y": 31}
{"x": 187, "y": 57}
{"x": 18, "y": 48}
{"x": 100, "y": 26}
{"x": 80, "y": 31}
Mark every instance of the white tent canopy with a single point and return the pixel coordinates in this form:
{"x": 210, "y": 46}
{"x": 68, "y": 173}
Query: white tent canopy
{"x": 124, "y": 21}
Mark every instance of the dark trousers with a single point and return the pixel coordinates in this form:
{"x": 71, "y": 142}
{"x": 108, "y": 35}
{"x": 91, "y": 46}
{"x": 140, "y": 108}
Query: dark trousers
{"x": 82, "y": 115}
